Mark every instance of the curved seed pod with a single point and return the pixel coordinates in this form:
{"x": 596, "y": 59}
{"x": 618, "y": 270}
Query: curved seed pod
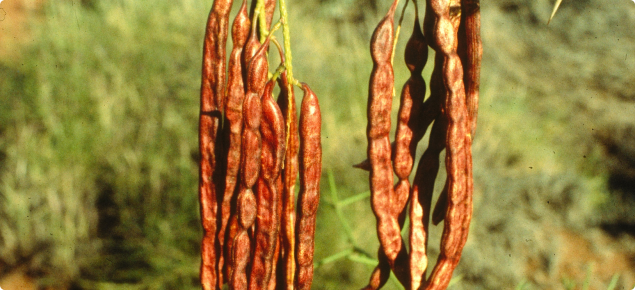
{"x": 471, "y": 20}
{"x": 380, "y": 274}
{"x": 212, "y": 94}
{"x": 241, "y": 259}
{"x": 458, "y": 213}
{"x": 267, "y": 225}
{"x": 289, "y": 178}
{"x": 474, "y": 51}
{"x": 309, "y": 197}
{"x": 422, "y": 189}
{"x": 234, "y": 126}
{"x": 249, "y": 162}
{"x": 276, "y": 255}
{"x": 265, "y": 235}
{"x": 383, "y": 199}
{"x": 213, "y": 79}
{"x": 249, "y": 50}
{"x": 409, "y": 121}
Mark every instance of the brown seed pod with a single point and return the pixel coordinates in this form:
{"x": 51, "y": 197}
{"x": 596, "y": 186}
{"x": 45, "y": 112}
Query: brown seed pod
{"x": 289, "y": 178}
{"x": 423, "y": 186}
{"x": 233, "y": 126}
{"x": 267, "y": 225}
{"x": 241, "y": 260}
{"x": 212, "y": 94}
{"x": 458, "y": 213}
{"x": 471, "y": 58}
{"x": 250, "y": 160}
{"x": 383, "y": 200}
{"x": 309, "y": 197}
{"x": 409, "y": 121}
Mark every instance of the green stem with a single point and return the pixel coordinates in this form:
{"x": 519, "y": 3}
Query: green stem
{"x": 333, "y": 258}
{"x": 286, "y": 36}
{"x": 338, "y": 210}
{"x": 262, "y": 20}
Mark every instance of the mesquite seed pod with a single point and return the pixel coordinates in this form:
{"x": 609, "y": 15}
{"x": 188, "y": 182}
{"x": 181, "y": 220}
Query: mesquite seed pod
{"x": 249, "y": 51}
{"x": 267, "y": 227}
{"x": 309, "y": 197}
{"x": 379, "y": 147}
{"x": 234, "y": 127}
{"x": 409, "y": 120}
{"x": 422, "y": 189}
{"x": 212, "y": 94}
{"x": 250, "y": 161}
{"x": 289, "y": 178}
{"x": 458, "y": 212}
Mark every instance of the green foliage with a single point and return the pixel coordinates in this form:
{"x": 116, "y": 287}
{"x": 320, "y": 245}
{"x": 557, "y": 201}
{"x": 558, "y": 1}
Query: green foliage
{"x": 100, "y": 143}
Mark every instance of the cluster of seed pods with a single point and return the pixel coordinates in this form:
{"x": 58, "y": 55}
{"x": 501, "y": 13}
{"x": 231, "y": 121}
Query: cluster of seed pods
{"x": 452, "y": 30}
{"x": 252, "y": 149}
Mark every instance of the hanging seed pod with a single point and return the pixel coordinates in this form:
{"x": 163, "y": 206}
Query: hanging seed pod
{"x": 212, "y": 95}
{"x": 267, "y": 226}
{"x": 289, "y": 177}
{"x": 458, "y": 213}
{"x": 250, "y": 163}
{"x": 383, "y": 199}
{"x": 233, "y": 126}
{"x": 309, "y": 197}
{"x": 409, "y": 121}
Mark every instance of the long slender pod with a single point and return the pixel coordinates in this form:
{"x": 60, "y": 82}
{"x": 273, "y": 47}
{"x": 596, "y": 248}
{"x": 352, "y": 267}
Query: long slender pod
{"x": 267, "y": 221}
{"x": 458, "y": 212}
{"x": 233, "y": 127}
{"x": 423, "y": 186}
{"x": 384, "y": 202}
{"x": 249, "y": 164}
{"x": 289, "y": 178}
{"x": 474, "y": 53}
{"x": 212, "y": 95}
{"x": 471, "y": 20}
{"x": 248, "y": 52}
{"x": 409, "y": 121}
{"x": 309, "y": 197}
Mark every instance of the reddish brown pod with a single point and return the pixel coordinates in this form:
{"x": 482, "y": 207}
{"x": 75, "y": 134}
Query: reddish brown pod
{"x": 249, "y": 162}
{"x": 379, "y": 149}
{"x": 459, "y": 208}
{"x": 407, "y": 136}
{"x": 471, "y": 52}
{"x": 212, "y": 97}
{"x": 309, "y": 197}
{"x": 289, "y": 178}
{"x": 233, "y": 127}
{"x": 268, "y": 222}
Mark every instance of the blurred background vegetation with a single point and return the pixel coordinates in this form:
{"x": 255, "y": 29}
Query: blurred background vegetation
{"x": 98, "y": 145}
